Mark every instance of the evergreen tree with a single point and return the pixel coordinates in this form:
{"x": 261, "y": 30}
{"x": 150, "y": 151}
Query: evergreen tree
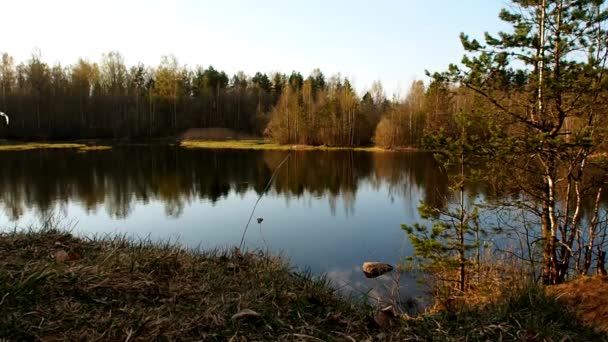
{"x": 444, "y": 250}
{"x": 543, "y": 80}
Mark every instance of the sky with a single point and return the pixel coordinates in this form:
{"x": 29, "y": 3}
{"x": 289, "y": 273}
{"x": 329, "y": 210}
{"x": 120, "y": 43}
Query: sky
{"x": 393, "y": 41}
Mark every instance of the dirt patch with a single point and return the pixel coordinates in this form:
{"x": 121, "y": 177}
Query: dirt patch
{"x": 214, "y": 134}
{"x": 587, "y": 297}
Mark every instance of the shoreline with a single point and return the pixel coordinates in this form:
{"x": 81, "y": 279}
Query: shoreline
{"x": 257, "y": 144}
{"x": 30, "y": 146}
{"x": 267, "y": 145}
{"x": 61, "y": 287}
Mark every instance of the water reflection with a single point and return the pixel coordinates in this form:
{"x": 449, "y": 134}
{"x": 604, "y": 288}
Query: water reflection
{"x": 130, "y": 176}
{"x": 326, "y": 211}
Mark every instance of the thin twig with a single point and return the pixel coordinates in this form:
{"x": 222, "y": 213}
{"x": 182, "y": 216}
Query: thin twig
{"x": 260, "y": 197}
{"x": 4, "y": 297}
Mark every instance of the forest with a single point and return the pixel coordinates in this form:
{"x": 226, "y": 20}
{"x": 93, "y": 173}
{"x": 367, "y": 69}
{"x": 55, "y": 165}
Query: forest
{"x": 110, "y": 100}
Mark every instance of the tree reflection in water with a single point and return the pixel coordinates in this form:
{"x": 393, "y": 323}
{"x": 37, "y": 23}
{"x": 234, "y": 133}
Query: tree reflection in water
{"x": 118, "y": 179}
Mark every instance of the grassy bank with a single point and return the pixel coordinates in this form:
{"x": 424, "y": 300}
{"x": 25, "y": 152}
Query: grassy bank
{"x": 208, "y": 144}
{"x": 54, "y": 286}
{"x": 266, "y": 145}
{"x": 9, "y": 146}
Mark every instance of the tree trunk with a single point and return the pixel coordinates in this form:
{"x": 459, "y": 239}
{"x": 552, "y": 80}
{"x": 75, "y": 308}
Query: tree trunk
{"x": 461, "y": 226}
{"x": 601, "y": 262}
{"x": 553, "y": 224}
{"x": 546, "y": 234}
{"x": 593, "y": 223}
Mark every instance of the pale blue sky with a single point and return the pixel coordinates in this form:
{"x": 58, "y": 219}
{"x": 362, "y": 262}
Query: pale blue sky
{"x": 393, "y": 41}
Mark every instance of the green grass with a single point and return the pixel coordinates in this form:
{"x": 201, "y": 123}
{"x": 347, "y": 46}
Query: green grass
{"x": 266, "y": 145}
{"x": 54, "y": 286}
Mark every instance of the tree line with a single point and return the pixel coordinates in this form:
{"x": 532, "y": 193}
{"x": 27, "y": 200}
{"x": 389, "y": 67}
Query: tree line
{"x": 109, "y": 99}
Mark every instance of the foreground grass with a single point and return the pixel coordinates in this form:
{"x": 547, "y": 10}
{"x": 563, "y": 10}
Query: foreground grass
{"x": 41, "y": 146}
{"x": 54, "y": 286}
{"x": 266, "y": 145}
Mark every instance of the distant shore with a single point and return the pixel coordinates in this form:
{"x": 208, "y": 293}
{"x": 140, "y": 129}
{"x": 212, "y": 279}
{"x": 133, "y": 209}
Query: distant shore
{"x": 27, "y": 146}
{"x": 250, "y": 144}
{"x": 267, "y": 145}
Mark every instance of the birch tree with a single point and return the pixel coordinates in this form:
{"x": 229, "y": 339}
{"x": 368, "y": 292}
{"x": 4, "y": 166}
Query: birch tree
{"x": 555, "y": 59}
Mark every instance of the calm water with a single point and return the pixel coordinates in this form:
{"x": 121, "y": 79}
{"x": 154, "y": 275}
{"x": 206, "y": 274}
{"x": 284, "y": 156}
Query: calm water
{"x": 326, "y": 211}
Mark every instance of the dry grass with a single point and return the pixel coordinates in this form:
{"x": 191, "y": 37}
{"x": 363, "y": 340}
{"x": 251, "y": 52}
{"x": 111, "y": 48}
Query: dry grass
{"x": 527, "y": 314}
{"x": 587, "y": 297}
{"x": 495, "y": 276}
{"x": 42, "y": 146}
{"x": 95, "y": 148}
{"x": 37, "y": 146}
{"x": 58, "y": 287}
{"x": 54, "y": 286}
{"x": 485, "y": 284}
{"x": 266, "y": 145}
{"x": 501, "y": 302}
{"x": 214, "y": 134}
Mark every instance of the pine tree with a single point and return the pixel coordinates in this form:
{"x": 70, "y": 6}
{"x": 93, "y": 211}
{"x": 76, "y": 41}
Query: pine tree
{"x": 543, "y": 80}
{"x": 444, "y": 249}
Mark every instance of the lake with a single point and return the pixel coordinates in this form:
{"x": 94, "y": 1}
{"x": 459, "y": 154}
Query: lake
{"x": 326, "y": 211}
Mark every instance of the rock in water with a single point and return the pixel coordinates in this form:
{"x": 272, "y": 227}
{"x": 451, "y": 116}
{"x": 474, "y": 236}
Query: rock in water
{"x": 375, "y": 269}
